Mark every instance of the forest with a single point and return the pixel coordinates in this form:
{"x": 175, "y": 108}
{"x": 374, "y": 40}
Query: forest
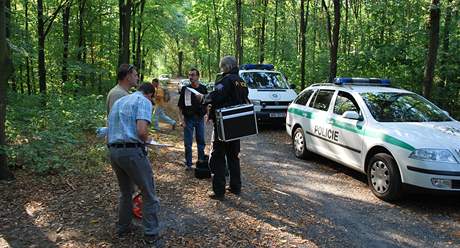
{"x": 59, "y": 57}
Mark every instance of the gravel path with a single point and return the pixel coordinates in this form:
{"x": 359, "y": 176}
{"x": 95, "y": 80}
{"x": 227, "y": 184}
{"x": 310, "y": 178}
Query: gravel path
{"x": 338, "y": 206}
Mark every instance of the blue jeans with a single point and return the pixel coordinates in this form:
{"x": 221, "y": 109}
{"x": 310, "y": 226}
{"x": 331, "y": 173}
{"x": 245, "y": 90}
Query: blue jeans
{"x": 160, "y": 114}
{"x": 193, "y": 123}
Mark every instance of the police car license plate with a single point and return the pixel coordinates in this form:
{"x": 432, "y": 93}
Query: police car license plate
{"x": 275, "y": 115}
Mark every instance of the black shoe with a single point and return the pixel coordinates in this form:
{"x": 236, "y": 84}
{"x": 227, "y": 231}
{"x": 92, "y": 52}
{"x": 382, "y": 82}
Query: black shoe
{"x": 214, "y": 196}
{"x": 233, "y": 191}
{"x": 153, "y": 240}
{"x": 127, "y": 231}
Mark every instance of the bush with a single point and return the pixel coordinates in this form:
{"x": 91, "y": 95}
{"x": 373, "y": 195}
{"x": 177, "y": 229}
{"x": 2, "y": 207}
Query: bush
{"x": 53, "y": 134}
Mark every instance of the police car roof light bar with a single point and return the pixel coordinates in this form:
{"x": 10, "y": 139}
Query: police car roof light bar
{"x": 257, "y": 67}
{"x": 362, "y": 81}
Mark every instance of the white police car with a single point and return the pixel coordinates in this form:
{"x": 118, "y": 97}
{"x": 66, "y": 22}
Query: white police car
{"x": 269, "y": 91}
{"x": 392, "y": 135}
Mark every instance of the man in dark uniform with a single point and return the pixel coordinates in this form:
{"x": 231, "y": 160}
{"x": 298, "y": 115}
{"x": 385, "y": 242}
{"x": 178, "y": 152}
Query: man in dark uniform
{"x": 229, "y": 90}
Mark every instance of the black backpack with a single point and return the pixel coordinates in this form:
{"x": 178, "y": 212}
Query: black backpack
{"x": 202, "y": 170}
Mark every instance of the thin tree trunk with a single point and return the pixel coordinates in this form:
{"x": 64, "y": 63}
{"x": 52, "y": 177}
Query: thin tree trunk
{"x": 41, "y": 48}
{"x": 219, "y": 36}
{"x": 335, "y": 41}
{"x": 125, "y": 25}
{"x": 120, "y": 30}
{"x": 239, "y": 32}
{"x": 65, "y": 53}
{"x": 303, "y": 28}
{"x": 445, "y": 41}
{"x": 180, "y": 58}
{"x": 209, "y": 48}
{"x": 432, "y": 47}
{"x": 139, "y": 37}
{"x": 26, "y": 20}
{"x": 262, "y": 34}
{"x": 275, "y": 33}
{"x": 6, "y": 68}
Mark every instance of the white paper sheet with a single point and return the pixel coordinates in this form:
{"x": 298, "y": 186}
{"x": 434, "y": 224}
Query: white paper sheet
{"x": 154, "y": 143}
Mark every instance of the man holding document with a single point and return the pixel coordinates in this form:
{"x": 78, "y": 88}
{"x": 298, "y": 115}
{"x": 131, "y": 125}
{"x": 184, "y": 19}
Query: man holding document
{"x": 193, "y": 117}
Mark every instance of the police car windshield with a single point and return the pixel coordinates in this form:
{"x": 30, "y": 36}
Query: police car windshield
{"x": 402, "y": 107}
{"x": 265, "y": 80}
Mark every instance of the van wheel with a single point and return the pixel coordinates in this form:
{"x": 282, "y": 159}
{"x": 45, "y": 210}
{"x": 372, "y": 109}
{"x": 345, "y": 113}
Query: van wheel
{"x": 298, "y": 143}
{"x": 384, "y": 178}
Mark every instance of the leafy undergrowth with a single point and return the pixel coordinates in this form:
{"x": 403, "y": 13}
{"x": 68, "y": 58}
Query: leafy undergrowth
{"x": 56, "y": 134}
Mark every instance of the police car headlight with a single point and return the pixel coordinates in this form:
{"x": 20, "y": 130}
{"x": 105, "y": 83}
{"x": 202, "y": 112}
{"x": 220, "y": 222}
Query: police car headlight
{"x": 437, "y": 155}
{"x": 255, "y": 102}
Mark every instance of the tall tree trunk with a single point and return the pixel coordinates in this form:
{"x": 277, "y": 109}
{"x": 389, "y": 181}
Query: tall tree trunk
{"x": 219, "y": 36}
{"x": 239, "y": 33}
{"x": 41, "y": 47}
{"x": 335, "y": 41}
{"x": 133, "y": 31}
{"x": 303, "y": 28}
{"x": 275, "y": 33}
{"x": 139, "y": 37}
{"x": 333, "y": 38}
{"x": 8, "y": 36}
{"x": 81, "y": 54}
{"x": 6, "y": 68}
{"x": 125, "y": 24}
{"x": 445, "y": 41}
{"x": 209, "y": 48}
{"x": 120, "y": 30}
{"x": 433, "y": 27}
{"x": 26, "y": 20}
{"x": 65, "y": 53}
{"x": 262, "y": 34}
{"x": 180, "y": 58}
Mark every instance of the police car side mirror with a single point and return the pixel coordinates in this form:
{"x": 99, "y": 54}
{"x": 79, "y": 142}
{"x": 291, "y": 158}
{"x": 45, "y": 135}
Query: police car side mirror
{"x": 292, "y": 86}
{"x": 353, "y": 115}
{"x": 446, "y": 113}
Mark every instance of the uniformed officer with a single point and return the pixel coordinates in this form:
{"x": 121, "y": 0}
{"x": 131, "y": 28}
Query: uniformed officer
{"x": 229, "y": 90}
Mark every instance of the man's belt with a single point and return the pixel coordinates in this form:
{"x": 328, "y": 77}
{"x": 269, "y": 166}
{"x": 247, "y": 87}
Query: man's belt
{"x": 126, "y": 145}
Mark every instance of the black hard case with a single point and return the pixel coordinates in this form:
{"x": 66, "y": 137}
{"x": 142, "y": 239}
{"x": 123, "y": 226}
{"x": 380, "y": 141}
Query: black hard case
{"x": 236, "y": 122}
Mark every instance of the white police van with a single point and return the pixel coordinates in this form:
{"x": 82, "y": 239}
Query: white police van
{"x": 269, "y": 91}
{"x": 392, "y": 135}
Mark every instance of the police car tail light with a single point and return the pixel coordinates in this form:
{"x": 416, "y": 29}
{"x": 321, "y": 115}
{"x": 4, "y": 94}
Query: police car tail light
{"x": 441, "y": 183}
{"x": 257, "y": 67}
{"x": 365, "y": 81}
{"x": 435, "y": 155}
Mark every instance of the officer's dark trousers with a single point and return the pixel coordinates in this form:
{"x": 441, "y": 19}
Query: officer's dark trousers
{"x": 221, "y": 149}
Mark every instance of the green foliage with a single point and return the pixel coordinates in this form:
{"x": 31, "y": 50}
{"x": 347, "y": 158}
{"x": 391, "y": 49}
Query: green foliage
{"x": 57, "y": 136}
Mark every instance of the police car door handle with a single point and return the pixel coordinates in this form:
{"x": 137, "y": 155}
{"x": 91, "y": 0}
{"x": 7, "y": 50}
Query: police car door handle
{"x": 330, "y": 121}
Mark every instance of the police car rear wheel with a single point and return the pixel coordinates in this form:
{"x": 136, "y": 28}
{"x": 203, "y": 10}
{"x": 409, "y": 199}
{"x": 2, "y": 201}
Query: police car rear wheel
{"x": 298, "y": 142}
{"x": 384, "y": 177}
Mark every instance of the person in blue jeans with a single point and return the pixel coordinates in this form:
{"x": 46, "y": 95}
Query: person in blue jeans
{"x": 193, "y": 117}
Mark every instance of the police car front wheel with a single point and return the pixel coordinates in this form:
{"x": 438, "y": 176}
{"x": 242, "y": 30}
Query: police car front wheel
{"x": 298, "y": 143}
{"x": 384, "y": 178}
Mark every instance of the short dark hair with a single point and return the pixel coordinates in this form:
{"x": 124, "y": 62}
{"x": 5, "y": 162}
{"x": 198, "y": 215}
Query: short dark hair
{"x": 155, "y": 80}
{"x": 124, "y": 70}
{"x": 194, "y": 69}
{"x": 146, "y": 88}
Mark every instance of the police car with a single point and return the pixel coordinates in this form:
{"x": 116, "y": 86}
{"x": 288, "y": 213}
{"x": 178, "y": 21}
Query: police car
{"x": 269, "y": 91}
{"x": 392, "y": 135}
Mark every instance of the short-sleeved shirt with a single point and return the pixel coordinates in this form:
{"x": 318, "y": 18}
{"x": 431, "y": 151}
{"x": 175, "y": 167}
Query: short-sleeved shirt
{"x": 122, "y": 121}
{"x": 114, "y": 94}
